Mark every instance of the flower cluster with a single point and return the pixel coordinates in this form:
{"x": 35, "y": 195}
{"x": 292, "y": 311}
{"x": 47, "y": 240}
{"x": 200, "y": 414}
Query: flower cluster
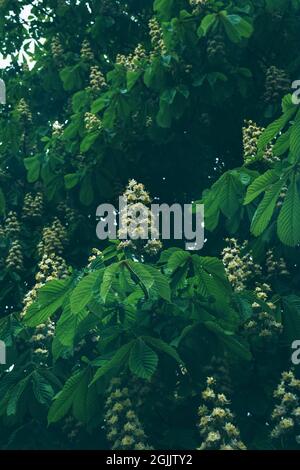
{"x": 54, "y": 239}
{"x": 12, "y": 226}
{"x": 86, "y": 52}
{"x": 97, "y": 79}
{"x": 216, "y": 424}
{"x": 12, "y": 230}
{"x": 281, "y": 197}
{"x": 24, "y": 111}
{"x": 277, "y": 84}
{"x": 68, "y": 214}
{"x": 14, "y": 259}
{"x": 92, "y": 122}
{"x": 71, "y": 427}
{"x": 216, "y": 48}
{"x": 197, "y": 5}
{"x": 51, "y": 266}
{"x": 57, "y": 50}
{"x": 157, "y": 38}
{"x": 33, "y": 206}
{"x": 286, "y": 414}
{"x": 132, "y": 61}
{"x": 41, "y": 340}
{"x": 57, "y": 129}
{"x": 124, "y": 429}
{"x": 263, "y": 324}
{"x": 96, "y": 253}
{"x": 219, "y": 370}
{"x": 251, "y": 134}
{"x": 275, "y": 266}
{"x": 239, "y": 265}
{"x": 137, "y": 199}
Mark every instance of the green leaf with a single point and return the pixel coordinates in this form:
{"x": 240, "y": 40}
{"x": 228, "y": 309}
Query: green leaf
{"x": 162, "y": 346}
{"x": 230, "y": 27}
{"x": 142, "y": 360}
{"x": 140, "y": 274}
{"x": 64, "y": 399}
{"x": 163, "y": 8}
{"x": 32, "y": 165}
{"x": 164, "y": 115}
{"x": 273, "y": 129}
{"x": 67, "y": 325}
{"x": 80, "y": 101}
{"x": 83, "y": 292}
{"x": 178, "y": 259}
{"x": 264, "y": 212}
{"x": 282, "y": 143}
{"x": 161, "y": 283}
{"x": 242, "y": 26}
{"x": 117, "y": 360}
{"x": 15, "y": 395}
{"x": 236, "y": 346}
{"x": 88, "y": 141}
{"x": 71, "y": 77}
{"x": 50, "y": 298}
{"x": 261, "y": 184}
{"x": 101, "y": 103}
{"x": 291, "y": 318}
{"x": 2, "y": 202}
{"x": 108, "y": 278}
{"x": 295, "y": 138}
{"x": 86, "y": 194}
{"x": 288, "y": 222}
{"x": 132, "y": 77}
{"x": 206, "y": 24}
{"x": 43, "y": 391}
{"x": 71, "y": 180}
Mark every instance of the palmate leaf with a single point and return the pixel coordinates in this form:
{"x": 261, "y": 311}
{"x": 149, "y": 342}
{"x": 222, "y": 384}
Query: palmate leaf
{"x": 142, "y": 360}
{"x": 288, "y": 222}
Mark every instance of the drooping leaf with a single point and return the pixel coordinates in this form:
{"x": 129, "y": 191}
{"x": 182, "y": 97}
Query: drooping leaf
{"x": 142, "y": 360}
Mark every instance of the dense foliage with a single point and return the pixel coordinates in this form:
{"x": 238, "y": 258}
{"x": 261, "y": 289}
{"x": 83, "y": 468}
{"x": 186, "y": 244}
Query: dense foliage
{"x": 126, "y": 346}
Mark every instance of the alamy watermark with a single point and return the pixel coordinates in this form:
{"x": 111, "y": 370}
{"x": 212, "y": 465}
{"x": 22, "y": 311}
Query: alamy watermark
{"x": 296, "y": 354}
{"x": 137, "y": 221}
{"x": 2, "y": 353}
{"x": 2, "y": 92}
{"x": 296, "y": 94}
